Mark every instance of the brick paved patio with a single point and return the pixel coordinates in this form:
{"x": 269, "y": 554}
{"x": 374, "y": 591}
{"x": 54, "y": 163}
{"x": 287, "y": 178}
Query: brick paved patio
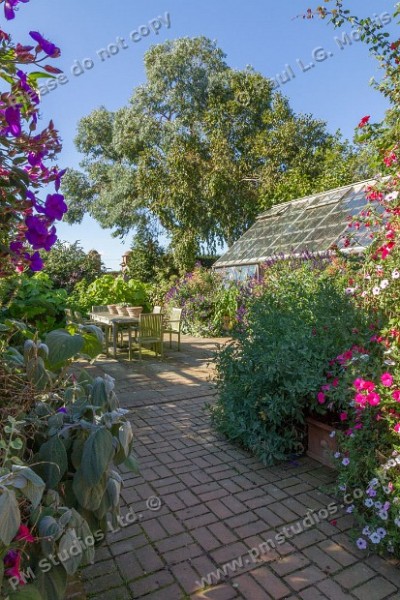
{"x": 217, "y": 503}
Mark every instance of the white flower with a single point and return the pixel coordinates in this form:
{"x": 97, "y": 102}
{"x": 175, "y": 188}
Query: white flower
{"x": 374, "y": 482}
{"x": 397, "y": 521}
{"x": 395, "y": 274}
{"x": 364, "y": 293}
{"x": 391, "y": 196}
{"x": 337, "y": 455}
{"x": 389, "y": 362}
{"x": 350, "y": 508}
{"x": 368, "y": 502}
{"x": 376, "y": 290}
{"x": 332, "y": 434}
{"x": 342, "y": 488}
{"x": 383, "y": 514}
{"x": 378, "y": 505}
{"x": 366, "y": 530}
{"x": 349, "y": 291}
{"x": 384, "y": 283}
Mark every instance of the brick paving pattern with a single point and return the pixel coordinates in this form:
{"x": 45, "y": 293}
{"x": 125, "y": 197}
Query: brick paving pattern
{"x": 219, "y": 504}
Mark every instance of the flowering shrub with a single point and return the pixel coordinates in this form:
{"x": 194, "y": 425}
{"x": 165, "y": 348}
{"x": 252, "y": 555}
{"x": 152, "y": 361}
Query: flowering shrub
{"x": 208, "y": 302}
{"x": 363, "y": 381}
{"x": 27, "y": 222}
{"x": 294, "y": 321}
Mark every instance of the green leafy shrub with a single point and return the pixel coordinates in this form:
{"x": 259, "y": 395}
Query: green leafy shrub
{"x": 33, "y": 300}
{"x": 208, "y": 302}
{"x": 108, "y": 290}
{"x": 295, "y": 322}
{"x": 66, "y": 264}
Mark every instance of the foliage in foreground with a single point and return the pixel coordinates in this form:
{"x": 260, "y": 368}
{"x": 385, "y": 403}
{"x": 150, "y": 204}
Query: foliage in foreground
{"x": 294, "y": 323}
{"x": 60, "y": 490}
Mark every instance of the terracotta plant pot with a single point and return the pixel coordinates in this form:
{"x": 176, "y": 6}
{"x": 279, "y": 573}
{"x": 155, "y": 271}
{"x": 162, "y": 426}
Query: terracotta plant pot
{"x": 321, "y": 446}
{"x": 112, "y": 308}
{"x": 134, "y": 311}
{"x": 122, "y": 311}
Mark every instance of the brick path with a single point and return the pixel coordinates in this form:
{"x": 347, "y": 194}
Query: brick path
{"x": 217, "y": 503}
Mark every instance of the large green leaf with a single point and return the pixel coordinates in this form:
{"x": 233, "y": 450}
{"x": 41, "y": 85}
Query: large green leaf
{"x": 52, "y": 584}
{"x": 26, "y": 592}
{"x": 99, "y": 395}
{"x": 97, "y": 454}
{"x": 55, "y": 459}
{"x": 10, "y": 517}
{"x": 31, "y": 485}
{"x": 62, "y": 346}
{"x": 70, "y": 551}
{"x": 89, "y": 497}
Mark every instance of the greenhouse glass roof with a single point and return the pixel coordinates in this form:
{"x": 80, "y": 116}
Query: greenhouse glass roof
{"x": 312, "y": 224}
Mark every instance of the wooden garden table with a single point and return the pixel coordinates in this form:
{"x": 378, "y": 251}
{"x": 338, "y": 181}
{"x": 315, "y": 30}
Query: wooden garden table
{"x": 113, "y": 321}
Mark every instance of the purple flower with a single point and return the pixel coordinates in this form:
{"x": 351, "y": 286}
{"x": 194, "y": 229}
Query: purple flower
{"x": 59, "y": 176}
{"x": 48, "y": 47}
{"x": 36, "y": 262}
{"x": 62, "y": 410}
{"x": 38, "y": 235}
{"x": 55, "y": 207}
{"x": 361, "y": 544}
{"x": 345, "y": 462}
{"x": 13, "y": 117}
{"x": 9, "y": 8}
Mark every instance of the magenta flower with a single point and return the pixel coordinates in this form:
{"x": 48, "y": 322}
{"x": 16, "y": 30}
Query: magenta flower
{"x": 48, "y": 47}
{"x": 386, "y": 379}
{"x": 12, "y": 560}
{"x": 396, "y": 395}
{"x": 24, "y": 534}
{"x": 321, "y": 397}
{"x": 373, "y": 399}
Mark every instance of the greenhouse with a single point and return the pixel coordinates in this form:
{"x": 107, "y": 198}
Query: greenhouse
{"x": 312, "y": 224}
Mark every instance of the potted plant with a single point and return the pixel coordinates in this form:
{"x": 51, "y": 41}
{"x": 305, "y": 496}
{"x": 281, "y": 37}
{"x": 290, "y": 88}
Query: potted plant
{"x": 122, "y": 309}
{"x": 134, "y": 311}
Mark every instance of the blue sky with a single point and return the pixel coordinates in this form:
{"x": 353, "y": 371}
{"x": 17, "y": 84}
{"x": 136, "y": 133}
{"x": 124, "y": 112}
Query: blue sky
{"x": 261, "y": 33}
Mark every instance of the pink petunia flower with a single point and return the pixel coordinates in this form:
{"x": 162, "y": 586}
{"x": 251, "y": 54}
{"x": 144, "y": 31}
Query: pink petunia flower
{"x": 386, "y": 379}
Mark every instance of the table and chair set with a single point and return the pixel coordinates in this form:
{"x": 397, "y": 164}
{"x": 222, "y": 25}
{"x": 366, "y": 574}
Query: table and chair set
{"x": 142, "y": 329}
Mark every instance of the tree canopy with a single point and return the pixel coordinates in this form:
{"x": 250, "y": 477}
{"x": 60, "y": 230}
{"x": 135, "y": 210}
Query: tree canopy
{"x": 201, "y": 148}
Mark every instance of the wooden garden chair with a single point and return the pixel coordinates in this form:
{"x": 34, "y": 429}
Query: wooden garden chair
{"x": 149, "y": 332}
{"x": 173, "y": 324}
